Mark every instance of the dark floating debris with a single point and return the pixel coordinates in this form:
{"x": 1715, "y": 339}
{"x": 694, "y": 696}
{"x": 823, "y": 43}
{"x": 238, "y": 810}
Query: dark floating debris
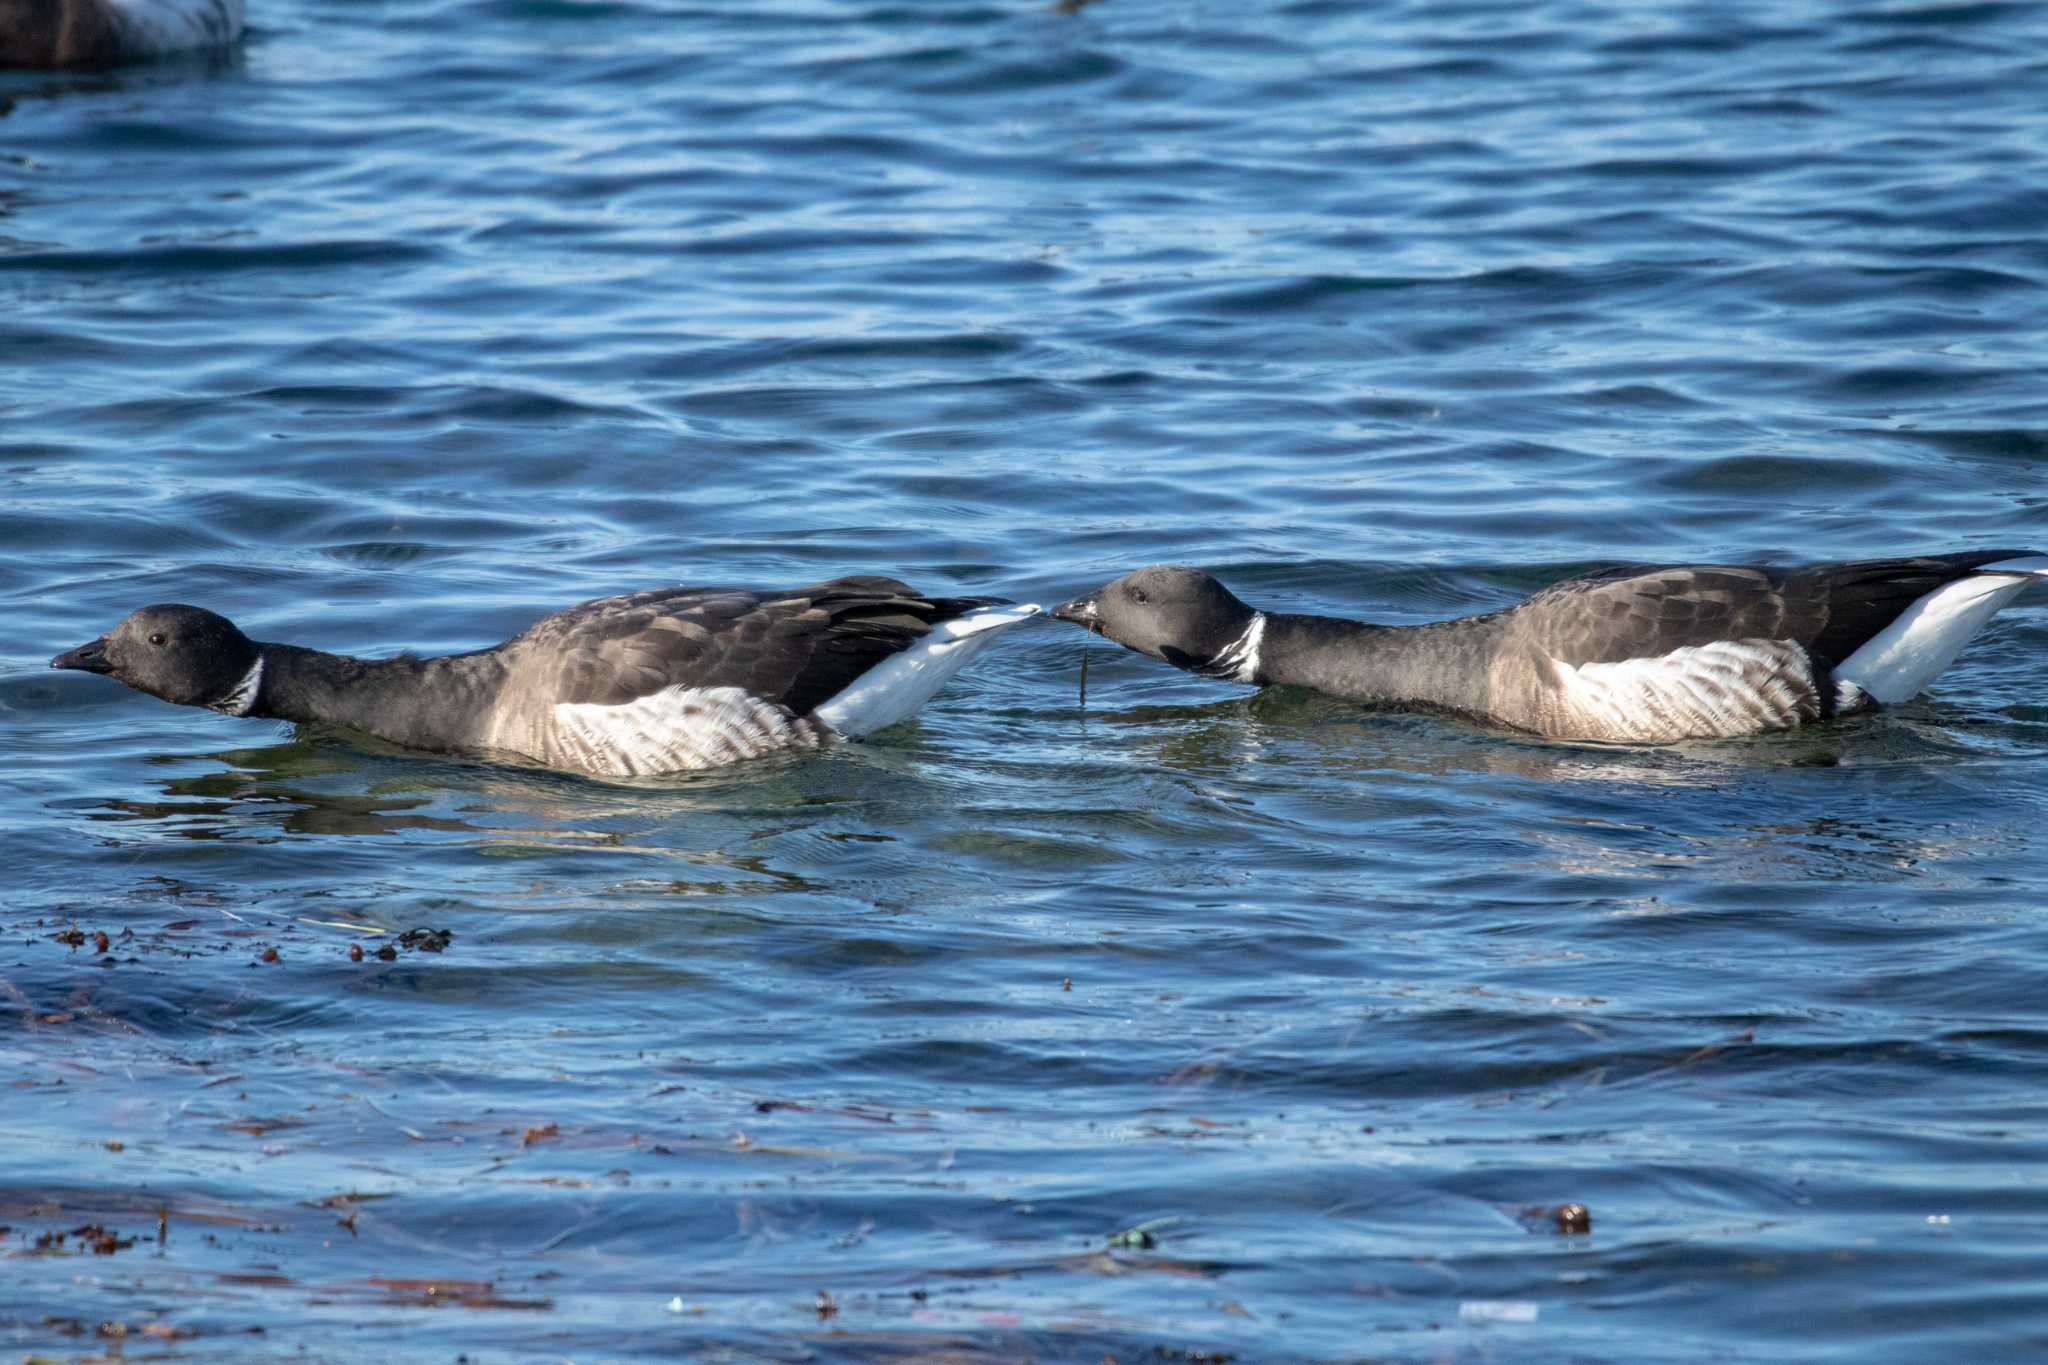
{"x": 355, "y": 952}
{"x": 94, "y": 1237}
{"x": 426, "y": 940}
{"x": 1570, "y": 1220}
{"x": 432, "y": 1293}
{"x": 1138, "y": 1237}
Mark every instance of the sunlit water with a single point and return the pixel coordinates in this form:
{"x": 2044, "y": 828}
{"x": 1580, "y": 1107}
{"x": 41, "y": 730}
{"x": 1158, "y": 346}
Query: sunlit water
{"x": 1189, "y": 1025}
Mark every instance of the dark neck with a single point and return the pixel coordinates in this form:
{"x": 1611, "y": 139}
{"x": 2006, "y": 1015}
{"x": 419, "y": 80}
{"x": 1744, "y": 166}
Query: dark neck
{"x": 1442, "y": 665}
{"x": 422, "y": 703}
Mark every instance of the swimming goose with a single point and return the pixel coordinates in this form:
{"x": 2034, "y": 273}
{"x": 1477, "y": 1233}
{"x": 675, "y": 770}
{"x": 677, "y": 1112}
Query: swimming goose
{"x": 653, "y": 682}
{"x": 1631, "y": 654}
{"x": 56, "y": 33}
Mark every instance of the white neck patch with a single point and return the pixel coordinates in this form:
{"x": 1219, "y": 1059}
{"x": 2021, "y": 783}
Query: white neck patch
{"x": 241, "y": 698}
{"x": 1239, "y": 660}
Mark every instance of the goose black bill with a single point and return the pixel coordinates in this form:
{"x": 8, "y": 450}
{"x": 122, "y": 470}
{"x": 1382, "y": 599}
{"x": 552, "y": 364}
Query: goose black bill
{"x": 1082, "y": 611}
{"x": 87, "y": 658}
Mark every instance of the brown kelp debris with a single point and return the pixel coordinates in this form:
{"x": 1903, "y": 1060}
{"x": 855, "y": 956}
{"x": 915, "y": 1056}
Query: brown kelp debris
{"x": 348, "y": 1199}
{"x": 73, "y": 937}
{"x": 346, "y": 1203}
{"x": 96, "y": 1238}
{"x": 864, "y": 1113}
{"x": 426, "y": 940}
{"x": 434, "y": 1293}
{"x": 262, "y": 1279}
{"x": 412, "y": 940}
{"x": 1748, "y": 1035}
{"x": 1110, "y": 1264}
{"x": 1570, "y": 1219}
{"x": 257, "y": 1126}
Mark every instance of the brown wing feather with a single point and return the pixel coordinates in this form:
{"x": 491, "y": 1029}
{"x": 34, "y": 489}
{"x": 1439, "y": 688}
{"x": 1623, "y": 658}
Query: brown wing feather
{"x": 798, "y": 647}
{"x": 1645, "y": 612}
{"x": 57, "y": 33}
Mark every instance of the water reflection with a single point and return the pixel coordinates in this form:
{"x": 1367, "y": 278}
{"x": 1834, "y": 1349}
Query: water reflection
{"x": 1315, "y": 785}
{"x": 260, "y": 793}
{"x": 320, "y": 786}
{"x": 1285, "y": 725}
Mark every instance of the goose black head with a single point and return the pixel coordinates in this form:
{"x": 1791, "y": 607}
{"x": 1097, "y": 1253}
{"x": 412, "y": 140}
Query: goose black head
{"x": 1180, "y": 615}
{"x": 183, "y": 654}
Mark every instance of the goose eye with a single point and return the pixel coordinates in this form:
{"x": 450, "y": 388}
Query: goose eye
{"x": 1138, "y": 595}
{"x": 156, "y": 637}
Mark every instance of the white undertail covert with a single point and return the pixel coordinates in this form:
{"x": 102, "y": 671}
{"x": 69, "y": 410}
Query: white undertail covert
{"x": 893, "y": 689}
{"x": 1899, "y": 661}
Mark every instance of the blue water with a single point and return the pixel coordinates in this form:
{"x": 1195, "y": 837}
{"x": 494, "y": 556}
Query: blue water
{"x": 1190, "y": 1025}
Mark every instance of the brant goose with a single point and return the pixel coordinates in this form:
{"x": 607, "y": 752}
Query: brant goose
{"x": 652, "y": 682}
{"x": 54, "y": 33}
{"x": 1630, "y": 654}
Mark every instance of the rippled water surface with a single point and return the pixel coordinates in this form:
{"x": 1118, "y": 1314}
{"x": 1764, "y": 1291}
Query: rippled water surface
{"x": 1190, "y": 1024}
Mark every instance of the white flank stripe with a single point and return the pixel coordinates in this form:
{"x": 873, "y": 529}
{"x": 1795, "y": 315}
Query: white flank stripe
{"x": 1899, "y": 661}
{"x": 241, "y": 699}
{"x": 1730, "y": 687}
{"x": 674, "y": 730}
{"x": 893, "y": 689}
